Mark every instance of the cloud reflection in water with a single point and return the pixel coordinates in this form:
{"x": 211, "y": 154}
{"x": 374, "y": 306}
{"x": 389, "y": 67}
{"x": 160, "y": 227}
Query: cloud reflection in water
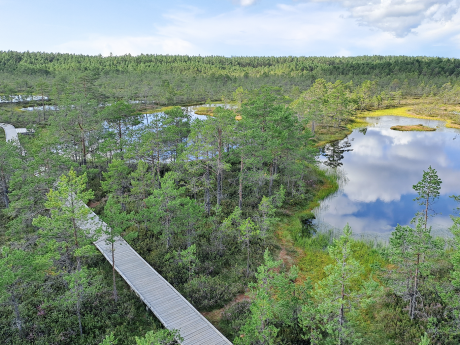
{"x": 379, "y": 167}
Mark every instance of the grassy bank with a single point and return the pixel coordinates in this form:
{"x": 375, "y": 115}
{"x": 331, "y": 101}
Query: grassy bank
{"x": 2, "y": 134}
{"x": 294, "y": 239}
{"x": 309, "y": 252}
{"x": 416, "y": 112}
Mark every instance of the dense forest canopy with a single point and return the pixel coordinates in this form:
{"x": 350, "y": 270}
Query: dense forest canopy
{"x": 377, "y": 66}
{"x": 181, "y": 79}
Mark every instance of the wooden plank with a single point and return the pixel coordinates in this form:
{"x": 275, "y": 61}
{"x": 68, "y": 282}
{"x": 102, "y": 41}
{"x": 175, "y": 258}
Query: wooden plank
{"x": 202, "y": 336}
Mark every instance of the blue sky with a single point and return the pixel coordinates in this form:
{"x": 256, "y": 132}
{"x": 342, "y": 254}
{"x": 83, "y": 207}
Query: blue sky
{"x": 233, "y": 27}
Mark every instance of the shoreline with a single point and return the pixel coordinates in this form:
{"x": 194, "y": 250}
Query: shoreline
{"x": 405, "y": 112}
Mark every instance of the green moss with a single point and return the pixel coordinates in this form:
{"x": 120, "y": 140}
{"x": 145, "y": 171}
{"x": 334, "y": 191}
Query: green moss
{"x": 413, "y": 128}
{"x": 312, "y": 264}
{"x": 157, "y": 110}
{"x": 205, "y": 111}
{"x": 409, "y": 112}
{"x": 327, "y": 135}
{"x": 400, "y": 111}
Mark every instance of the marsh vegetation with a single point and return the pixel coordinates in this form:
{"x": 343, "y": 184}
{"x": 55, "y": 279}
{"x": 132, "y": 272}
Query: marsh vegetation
{"x": 413, "y": 128}
{"x": 227, "y": 207}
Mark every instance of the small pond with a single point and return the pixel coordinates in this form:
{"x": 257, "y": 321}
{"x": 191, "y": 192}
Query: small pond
{"x": 191, "y": 111}
{"x": 21, "y": 98}
{"x": 377, "y": 168}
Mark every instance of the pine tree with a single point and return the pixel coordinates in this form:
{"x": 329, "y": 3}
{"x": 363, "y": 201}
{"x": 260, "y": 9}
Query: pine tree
{"x": 338, "y": 297}
{"x": 162, "y": 337}
{"x": 412, "y": 249}
{"x": 117, "y": 221}
{"x": 248, "y": 232}
{"x": 120, "y": 117}
{"x": 18, "y": 268}
{"x": 68, "y": 212}
{"x": 260, "y": 328}
{"x": 117, "y": 180}
{"x": 428, "y": 192}
{"x": 170, "y": 214}
{"x": 10, "y": 158}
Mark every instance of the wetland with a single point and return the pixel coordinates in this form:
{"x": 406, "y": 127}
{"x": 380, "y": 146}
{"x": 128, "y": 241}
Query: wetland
{"x": 378, "y": 167}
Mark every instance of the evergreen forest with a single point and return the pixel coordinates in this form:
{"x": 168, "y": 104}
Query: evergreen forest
{"x": 221, "y": 206}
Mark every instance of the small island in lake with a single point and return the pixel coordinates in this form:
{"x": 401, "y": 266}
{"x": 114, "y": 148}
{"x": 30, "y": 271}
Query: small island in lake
{"x": 205, "y": 111}
{"x": 411, "y": 128}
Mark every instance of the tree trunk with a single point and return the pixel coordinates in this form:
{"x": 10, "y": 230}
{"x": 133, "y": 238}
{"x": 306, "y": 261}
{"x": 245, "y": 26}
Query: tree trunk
{"x": 219, "y": 168}
{"x": 119, "y": 136}
{"x": 426, "y": 211}
{"x": 207, "y": 202}
{"x": 167, "y": 234}
{"x": 17, "y": 315}
{"x": 153, "y": 170}
{"x": 413, "y": 300}
{"x": 342, "y": 311}
{"x": 240, "y": 191}
{"x": 83, "y": 145}
{"x": 158, "y": 170}
{"x": 313, "y": 127}
{"x": 43, "y": 104}
{"x": 115, "y": 295}
{"x": 78, "y": 267}
{"x": 79, "y": 298}
{"x": 219, "y": 192}
{"x": 272, "y": 175}
{"x": 247, "y": 263}
{"x": 6, "y": 200}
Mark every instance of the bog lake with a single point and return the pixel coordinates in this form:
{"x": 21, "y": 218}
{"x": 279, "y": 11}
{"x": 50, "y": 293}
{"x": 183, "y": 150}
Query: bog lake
{"x": 377, "y": 168}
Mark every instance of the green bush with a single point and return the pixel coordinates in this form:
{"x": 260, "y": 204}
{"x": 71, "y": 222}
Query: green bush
{"x": 234, "y": 317}
{"x": 207, "y": 293}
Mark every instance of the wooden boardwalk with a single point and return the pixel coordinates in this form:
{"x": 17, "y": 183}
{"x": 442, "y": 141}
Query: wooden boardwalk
{"x": 169, "y": 306}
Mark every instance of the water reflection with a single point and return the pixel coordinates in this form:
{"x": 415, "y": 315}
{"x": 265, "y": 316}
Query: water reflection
{"x": 333, "y": 152}
{"x": 40, "y": 107}
{"x": 190, "y": 111}
{"x": 379, "y": 166}
{"x": 21, "y": 98}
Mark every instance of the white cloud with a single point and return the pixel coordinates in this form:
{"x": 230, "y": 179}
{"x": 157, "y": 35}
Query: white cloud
{"x": 129, "y": 45}
{"x": 246, "y": 2}
{"x": 298, "y": 29}
{"x": 283, "y": 30}
{"x": 399, "y": 17}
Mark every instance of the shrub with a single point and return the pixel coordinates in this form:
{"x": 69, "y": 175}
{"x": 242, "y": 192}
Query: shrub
{"x": 234, "y": 317}
{"x": 207, "y": 293}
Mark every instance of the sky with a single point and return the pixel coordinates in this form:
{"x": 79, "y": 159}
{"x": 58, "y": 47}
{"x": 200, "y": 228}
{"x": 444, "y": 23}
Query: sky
{"x": 233, "y": 27}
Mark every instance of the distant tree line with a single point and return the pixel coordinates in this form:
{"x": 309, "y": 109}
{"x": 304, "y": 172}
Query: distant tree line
{"x": 177, "y": 79}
